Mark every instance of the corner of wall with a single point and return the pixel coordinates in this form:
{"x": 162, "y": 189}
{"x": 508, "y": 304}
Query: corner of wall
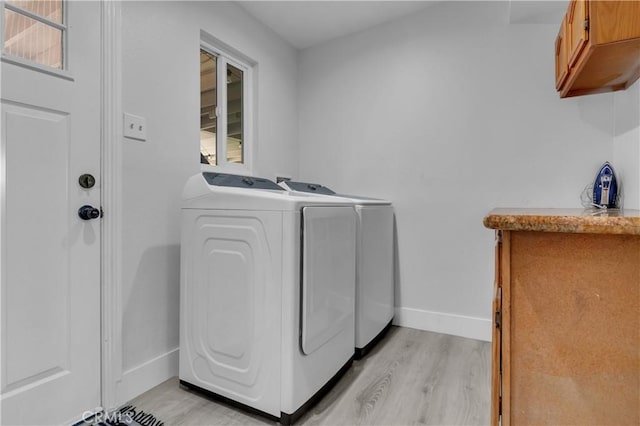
{"x": 626, "y": 144}
{"x": 446, "y": 323}
{"x": 141, "y": 378}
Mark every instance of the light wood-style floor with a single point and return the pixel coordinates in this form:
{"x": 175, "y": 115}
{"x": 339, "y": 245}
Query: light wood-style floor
{"x": 411, "y": 377}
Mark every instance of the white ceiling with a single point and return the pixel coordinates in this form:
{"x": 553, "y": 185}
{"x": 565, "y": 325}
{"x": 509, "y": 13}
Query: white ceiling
{"x": 305, "y": 23}
{"x": 537, "y": 12}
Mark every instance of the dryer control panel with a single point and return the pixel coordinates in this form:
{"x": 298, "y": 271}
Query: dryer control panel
{"x": 238, "y": 181}
{"x": 314, "y": 188}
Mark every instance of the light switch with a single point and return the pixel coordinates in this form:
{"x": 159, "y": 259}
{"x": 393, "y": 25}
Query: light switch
{"x": 135, "y": 127}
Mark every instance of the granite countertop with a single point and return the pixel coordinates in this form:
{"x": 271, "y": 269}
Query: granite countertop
{"x": 586, "y": 221}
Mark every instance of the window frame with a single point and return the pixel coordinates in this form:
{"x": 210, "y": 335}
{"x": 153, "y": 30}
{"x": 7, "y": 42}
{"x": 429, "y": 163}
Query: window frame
{"x": 63, "y": 72}
{"x": 224, "y": 57}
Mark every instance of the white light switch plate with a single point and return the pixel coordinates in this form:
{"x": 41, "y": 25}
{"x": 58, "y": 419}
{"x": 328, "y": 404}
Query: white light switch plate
{"x": 135, "y": 127}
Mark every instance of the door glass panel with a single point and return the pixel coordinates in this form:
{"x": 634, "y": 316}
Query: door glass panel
{"x": 48, "y": 9}
{"x": 234, "y": 115}
{"x": 33, "y": 40}
{"x": 208, "y": 104}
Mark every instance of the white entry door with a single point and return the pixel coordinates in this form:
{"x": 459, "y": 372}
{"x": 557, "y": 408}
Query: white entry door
{"x": 50, "y": 270}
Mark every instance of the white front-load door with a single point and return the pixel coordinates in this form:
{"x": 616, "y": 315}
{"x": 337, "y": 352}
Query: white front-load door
{"x": 50, "y": 270}
{"x": 328, "y": 275}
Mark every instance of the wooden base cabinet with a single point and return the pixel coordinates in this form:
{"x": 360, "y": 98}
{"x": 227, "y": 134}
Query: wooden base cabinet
{"x": 566, "y": 342}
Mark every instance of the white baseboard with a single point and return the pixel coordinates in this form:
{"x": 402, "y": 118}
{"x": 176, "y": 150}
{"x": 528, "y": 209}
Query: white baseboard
{"x": 439, "y": 322}
{"x": 143, "y": 377}
{"x": 155, "y": 371}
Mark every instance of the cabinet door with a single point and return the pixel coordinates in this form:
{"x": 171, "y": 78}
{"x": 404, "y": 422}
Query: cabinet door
{"x": 614, "y": 21}
{"x": 496, "y": 357}
{"x": 573, "y": 356}
{"x": 577, "y": 29}
{"x": 562, "y": 65}
{"x": 496, "y": 352}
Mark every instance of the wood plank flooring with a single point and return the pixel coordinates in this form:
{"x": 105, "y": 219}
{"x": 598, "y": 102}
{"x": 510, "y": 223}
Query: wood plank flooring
{"x": 411, "y": 377}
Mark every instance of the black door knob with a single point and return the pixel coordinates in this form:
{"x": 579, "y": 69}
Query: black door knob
{"x": 88, "y": 212}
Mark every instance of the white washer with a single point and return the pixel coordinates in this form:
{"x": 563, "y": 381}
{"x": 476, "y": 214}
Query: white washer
{"x": 267, "y": 292}
{"x": 374, "y": 263}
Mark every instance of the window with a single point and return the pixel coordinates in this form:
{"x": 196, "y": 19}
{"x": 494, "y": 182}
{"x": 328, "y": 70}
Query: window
{"x": 224, "y": 110}
{"x": 35, "y": 30}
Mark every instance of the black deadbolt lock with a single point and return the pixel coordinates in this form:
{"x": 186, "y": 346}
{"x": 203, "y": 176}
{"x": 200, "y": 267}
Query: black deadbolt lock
{"x": 86, "y": 181}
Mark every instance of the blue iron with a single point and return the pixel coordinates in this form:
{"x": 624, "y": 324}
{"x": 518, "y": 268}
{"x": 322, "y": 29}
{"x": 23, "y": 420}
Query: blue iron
{"x": 605, "y": 188}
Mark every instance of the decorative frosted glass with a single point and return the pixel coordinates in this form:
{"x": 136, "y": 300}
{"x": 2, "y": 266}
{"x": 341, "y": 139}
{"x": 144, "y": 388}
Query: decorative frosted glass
{"x": 33, "y": 40}
{"x": 48, "y": 9}
{"x": 34, "y": 30}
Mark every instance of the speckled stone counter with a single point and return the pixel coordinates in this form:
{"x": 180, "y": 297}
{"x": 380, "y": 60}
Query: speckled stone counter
{"x": 584, "y": 221}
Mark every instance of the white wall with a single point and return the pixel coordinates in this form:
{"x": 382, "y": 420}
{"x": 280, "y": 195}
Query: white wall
{"x": 626, "y": 146}
{"x": 449, "y": 113}
{"x": 161, "y": 82}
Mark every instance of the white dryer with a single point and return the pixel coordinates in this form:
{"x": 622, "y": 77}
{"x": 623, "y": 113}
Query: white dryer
{"x": 374, "y": 263}
{"x": 267, "y": 292}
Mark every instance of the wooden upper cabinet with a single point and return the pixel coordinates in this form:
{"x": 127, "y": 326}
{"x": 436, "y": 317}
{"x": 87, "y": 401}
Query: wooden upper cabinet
{"x": 577, "y": 29}
{"x": 562, "y": 64}
{"x": 598, "y": 47}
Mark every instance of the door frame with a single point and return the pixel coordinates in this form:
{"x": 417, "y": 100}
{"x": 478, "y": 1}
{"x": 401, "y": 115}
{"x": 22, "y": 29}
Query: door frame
{"x": 111, "y": 201}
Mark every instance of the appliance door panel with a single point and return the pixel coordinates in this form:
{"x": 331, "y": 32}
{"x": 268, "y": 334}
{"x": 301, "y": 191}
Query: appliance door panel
{"x": 232, "y": 304}
{"x": 374, "y": 303}
{"x": 328, "y": 274}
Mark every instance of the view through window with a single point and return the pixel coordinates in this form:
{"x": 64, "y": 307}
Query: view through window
{"x": 222, "y": 117}
{"x": 35, "y": 30}
{"x": 208, "y": 107}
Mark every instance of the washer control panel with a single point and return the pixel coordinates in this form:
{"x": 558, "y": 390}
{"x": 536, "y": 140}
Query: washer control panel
{"x": 238, "y": 181}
